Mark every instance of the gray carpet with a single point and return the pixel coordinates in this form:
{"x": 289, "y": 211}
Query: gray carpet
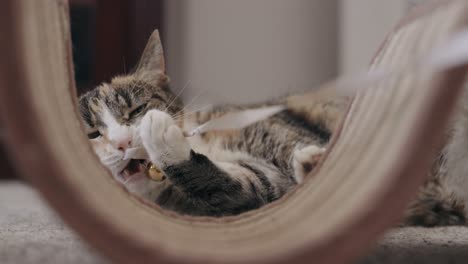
{"x": 448, "y": 245}
{"x": 30, "y": 233}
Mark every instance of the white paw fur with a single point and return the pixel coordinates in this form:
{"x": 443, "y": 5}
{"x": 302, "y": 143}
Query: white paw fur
{"x": 163, "y": 139}
{"x": 306, "y": 157}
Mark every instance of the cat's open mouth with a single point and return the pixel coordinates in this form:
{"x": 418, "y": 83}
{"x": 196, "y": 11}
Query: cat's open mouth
{"x": 135, "y": 167}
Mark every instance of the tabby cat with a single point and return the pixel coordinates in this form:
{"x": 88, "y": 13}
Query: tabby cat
{"x": 215, "y": 173}
{"x": 227, "y": 173}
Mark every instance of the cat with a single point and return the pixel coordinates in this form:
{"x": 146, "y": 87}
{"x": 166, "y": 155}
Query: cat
{"x": 212, "y": 174}
{"x": 231, "y": 172}
{"x": 442, "y": 200}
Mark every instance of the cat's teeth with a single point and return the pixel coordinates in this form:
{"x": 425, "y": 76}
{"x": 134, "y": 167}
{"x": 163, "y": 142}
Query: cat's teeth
{"x": 126, "y": 174}
{"x": 141, "y": 167}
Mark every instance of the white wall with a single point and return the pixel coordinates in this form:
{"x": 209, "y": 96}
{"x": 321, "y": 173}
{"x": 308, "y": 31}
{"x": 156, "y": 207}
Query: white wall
{"x": 251, "y": 50}
{"x": 364, "y": 25}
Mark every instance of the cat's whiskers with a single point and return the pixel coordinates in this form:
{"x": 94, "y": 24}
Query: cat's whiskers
{"x": 127, "y": 180}
{"x": 176, "y": 117}
{"x": 124, "y": 66}
{"x": 191, "y": 102}
{"x": 112, "y": 158}
{"x": 177, "y": 96}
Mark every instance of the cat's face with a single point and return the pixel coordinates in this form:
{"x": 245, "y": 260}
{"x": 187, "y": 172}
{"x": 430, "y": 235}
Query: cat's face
{"x": 112, "y": 114}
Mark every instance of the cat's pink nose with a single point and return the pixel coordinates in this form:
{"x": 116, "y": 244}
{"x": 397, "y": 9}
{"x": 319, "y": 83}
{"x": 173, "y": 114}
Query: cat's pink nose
{"x": 123, "y": 145}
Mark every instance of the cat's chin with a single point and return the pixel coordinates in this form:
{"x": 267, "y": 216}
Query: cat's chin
{"x": 137, "y": 184}
{"x": 137, "y": 178}
{"x": 141, "y": 186}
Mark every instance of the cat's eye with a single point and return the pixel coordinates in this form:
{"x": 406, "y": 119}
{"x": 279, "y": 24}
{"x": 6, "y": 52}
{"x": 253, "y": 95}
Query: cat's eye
{"x": 138, "y": 110}
{"x": 94, "y": 135}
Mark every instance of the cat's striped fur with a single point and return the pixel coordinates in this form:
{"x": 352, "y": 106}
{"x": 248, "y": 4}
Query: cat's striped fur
{"x": 230, "y": 172}
{"x": 216, "y": 173}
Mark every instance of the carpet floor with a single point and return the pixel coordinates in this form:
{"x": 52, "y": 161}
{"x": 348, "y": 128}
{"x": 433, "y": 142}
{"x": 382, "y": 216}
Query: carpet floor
{"x": 30, "y": 233}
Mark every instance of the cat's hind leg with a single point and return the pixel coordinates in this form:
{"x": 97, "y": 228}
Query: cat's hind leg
{"x": 327, "y": 112}
{"x": 435, "y": 207}
{"x": 305, "y": 159}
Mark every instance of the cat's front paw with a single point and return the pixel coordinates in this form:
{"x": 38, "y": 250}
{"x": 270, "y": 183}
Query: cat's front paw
{"x": 163, "y": 139}
{"x": 305, "y": 160}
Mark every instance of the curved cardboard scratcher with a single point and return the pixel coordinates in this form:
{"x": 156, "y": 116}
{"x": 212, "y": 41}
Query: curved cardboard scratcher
{"x": 376, "y": 163}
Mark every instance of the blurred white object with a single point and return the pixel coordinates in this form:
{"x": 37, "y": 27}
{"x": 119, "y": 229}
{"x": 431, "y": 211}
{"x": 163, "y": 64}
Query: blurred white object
{"x": 250, "y": 50}
{"x": 364, "y": 24}
{"x": 237, "y": 120}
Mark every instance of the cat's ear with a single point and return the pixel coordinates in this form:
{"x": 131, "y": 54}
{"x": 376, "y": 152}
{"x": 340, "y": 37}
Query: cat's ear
{"x": 152, "y": 59}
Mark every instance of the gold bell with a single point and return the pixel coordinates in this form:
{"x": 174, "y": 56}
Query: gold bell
{"x": 155, "y": 173}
